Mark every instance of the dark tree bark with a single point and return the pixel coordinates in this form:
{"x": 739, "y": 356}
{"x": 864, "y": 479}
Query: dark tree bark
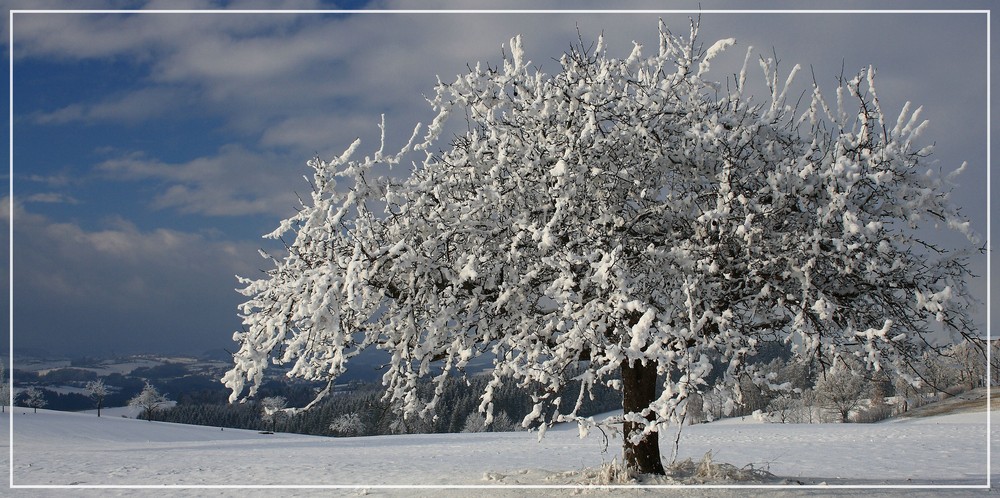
{"x": 638, "y": 391}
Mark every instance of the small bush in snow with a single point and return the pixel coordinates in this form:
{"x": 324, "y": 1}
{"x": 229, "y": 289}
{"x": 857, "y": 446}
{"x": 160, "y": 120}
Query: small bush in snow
{"x": 707, "y": 470}
{"x": 876, "y": 413}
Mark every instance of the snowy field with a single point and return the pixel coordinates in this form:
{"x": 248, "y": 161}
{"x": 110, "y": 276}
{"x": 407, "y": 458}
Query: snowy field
{"x": 59, "y": 448}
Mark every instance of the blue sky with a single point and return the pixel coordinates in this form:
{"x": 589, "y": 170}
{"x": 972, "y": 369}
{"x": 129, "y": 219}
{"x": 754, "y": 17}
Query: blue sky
{"x": 151, "y": 151}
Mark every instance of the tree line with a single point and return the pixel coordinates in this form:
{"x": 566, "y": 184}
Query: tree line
{"x": 795, "y": 392}
{"x": 361, "y": 410}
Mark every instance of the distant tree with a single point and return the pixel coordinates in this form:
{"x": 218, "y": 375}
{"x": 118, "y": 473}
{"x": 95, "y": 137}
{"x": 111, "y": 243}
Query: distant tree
{"x": 97, "y": 390}
{"x": 753, "y": 395}
{"x": 841, "y": 390}
{"x": 808, "y": 403}
{"x": 34, "y": 397}
{"x": 349, "y": 424}
{"x": 941, "y": 374}
{"x": 273, "y": 410}
{"x": 474, "y": 422}
{"x": 148, "y": 401}
{"x": 783, "y": 408}
{"x": 970, "y": 360}
{"x": 696, "y": 412}
{"x": 715, "y": 403}
{"x": 878, "y": 409}
{"x": 631, "y": 216}
{"x": 4, "y": 389}
{"x": 994, "y": 362}
{"x": 907, "y": 393}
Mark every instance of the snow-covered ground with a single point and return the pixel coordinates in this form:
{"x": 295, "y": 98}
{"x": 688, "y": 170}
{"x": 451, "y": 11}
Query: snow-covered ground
{"x": 59, "y": 448}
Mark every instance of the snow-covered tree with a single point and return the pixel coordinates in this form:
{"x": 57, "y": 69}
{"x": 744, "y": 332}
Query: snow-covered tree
{"x": 940, "y": 374}
{"x": 476, "y": 422}
{"x": 349, "y": 424}
{"x": 627, "y": 219}
{"x": 994, "y": 371}
{"x": 970, "y": 360}
{"x": 783, "y": 409}
{"x": 907, "y": 393}
{"x": 148, "y": 401}
{"x": 4, "y": 390}
{"x": 97, "y": 390}
{"x": 34, "y": 397}
{"x": 842, "y": 390}
{"x": 273, "y": 409}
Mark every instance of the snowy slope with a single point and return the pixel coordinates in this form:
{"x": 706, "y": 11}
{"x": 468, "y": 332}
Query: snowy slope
{"x": 74, "y": 448}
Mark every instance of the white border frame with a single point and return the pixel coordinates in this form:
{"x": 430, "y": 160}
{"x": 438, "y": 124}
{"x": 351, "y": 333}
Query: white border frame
{"x": 10, "y": 366}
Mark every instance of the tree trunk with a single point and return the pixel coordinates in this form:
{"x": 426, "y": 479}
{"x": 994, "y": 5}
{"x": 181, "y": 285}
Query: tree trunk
{"x": 638, "y": 391}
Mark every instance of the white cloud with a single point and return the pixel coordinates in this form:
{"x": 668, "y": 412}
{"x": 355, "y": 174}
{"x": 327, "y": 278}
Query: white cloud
{"x": 51, "y": 198}
{"x": 122, "y": 287}
{"x": 299, "y": 85}
{"x": 233, "y": 182}
{"x": 266, "y": 70}
{"x": 309, "y": 84}
{"x": 313, "y": 83}
{"x": 130, "y": 107}
{"x": 94, "y": 261}
{"x": 56, "y": 180}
